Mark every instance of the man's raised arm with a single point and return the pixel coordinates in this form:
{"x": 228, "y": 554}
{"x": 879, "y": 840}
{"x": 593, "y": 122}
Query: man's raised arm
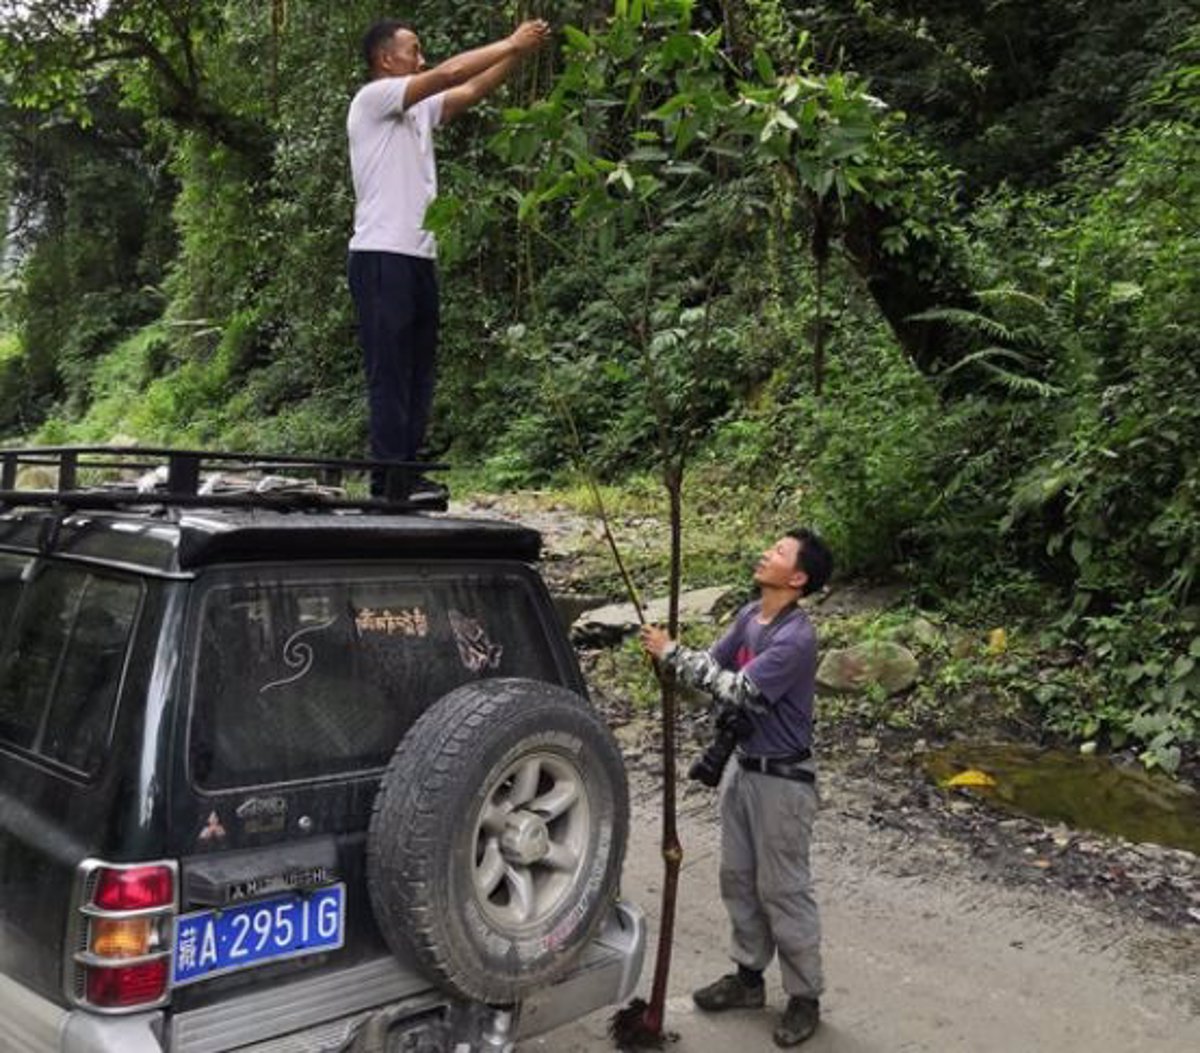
{"x": 464, "y": 67}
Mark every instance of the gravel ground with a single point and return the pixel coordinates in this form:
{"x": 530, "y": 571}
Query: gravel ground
{"x": 930, "y": 945}
{"x": 949, "y": 925}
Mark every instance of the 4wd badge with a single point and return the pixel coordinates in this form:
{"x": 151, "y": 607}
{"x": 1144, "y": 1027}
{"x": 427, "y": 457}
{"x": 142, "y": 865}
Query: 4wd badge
{"x": 263, "y": 815}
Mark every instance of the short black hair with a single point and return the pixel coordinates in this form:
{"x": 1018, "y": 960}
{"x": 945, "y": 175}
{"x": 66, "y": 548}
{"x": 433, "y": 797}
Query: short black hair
{"x": 814, "y": 558}
{"x": 378, "y": 37}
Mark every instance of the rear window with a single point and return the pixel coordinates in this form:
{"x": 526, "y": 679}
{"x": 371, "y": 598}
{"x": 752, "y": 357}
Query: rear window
{"x": 63, "y": 660}
{"x": 297, "y": 679}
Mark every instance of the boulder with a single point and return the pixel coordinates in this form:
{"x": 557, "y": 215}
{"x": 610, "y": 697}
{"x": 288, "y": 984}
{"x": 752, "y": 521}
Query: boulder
{"x": 856, "y": 598}
{"x": 607, "y": 625}
{"x": 854, "y": 669}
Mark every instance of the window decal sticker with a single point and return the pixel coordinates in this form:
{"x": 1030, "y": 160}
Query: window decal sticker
{"x": 297, "y": 655}
{"x": 414, "y": 622}
{"x": 474, "y": 648}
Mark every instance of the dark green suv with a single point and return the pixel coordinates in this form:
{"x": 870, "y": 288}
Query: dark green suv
{"x": 281, "y": 770}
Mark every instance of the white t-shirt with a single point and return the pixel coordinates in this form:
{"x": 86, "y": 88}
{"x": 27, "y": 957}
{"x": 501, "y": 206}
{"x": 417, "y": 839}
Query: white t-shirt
{"x": 395, "y": 174}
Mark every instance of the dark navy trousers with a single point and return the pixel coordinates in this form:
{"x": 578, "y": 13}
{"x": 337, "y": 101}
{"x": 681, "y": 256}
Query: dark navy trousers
{"x": 396, "y": 300}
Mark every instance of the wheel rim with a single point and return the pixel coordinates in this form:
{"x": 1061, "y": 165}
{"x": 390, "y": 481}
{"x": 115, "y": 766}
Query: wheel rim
{"x": 531, "y": 840}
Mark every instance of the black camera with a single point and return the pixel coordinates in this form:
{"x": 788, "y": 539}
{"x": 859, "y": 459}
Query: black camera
{"x": 731, "y": 723}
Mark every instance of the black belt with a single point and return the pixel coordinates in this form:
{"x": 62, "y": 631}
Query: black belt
{"x": 781, "y": 767}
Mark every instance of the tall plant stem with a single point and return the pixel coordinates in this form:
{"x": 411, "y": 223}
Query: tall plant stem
{"x": 672, "y": 850}
{"x": 564, "y": 411}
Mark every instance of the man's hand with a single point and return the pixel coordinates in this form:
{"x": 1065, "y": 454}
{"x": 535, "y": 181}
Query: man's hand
{"x": 524, "y": 40}
{"x": 655, "y": 641}
{"x": 531, "y": 35}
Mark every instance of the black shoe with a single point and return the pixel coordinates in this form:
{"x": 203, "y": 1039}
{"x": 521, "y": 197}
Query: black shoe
{"x": 730, "y": 992}
{"x": 421, "y": 491}
{"x": 800, "y": 1020}
{"x": 426, "y": 491}
{"x": 424, "y": 486}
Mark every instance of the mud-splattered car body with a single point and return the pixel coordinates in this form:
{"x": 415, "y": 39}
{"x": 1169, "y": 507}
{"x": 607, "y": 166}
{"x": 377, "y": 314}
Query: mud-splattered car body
{"x": 198, "y": 708}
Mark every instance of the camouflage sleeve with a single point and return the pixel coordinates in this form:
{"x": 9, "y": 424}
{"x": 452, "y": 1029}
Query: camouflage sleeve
{"x": 699, "y": 669}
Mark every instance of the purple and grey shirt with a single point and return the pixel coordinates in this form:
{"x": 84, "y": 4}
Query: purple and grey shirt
{"x": 769, "y": 670}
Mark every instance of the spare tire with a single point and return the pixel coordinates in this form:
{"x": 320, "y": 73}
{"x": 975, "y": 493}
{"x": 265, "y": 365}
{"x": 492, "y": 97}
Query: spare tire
{"x": 498, "y": 835}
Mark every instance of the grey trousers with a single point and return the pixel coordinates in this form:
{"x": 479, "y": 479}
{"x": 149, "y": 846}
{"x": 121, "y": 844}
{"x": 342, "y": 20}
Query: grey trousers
{"x": 766, "y": 830}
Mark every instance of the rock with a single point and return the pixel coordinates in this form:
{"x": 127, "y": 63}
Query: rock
{"x": 922, "y": 632}
{"x": 860, "y": 599}
{"x": 854, "y": 669}
{"x": 962, "y": 646}
{"x": 571, "y": 606}
{"x": 35, "y": 477}
{"x": 609, "y": 624}
{"x": 868, "y": 744}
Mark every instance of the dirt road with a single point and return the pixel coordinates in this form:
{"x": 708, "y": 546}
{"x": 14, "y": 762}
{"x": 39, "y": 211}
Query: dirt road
{"x": 923, "y": 950}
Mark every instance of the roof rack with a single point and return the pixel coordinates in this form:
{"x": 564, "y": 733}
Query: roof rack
{"x": 121, "y": 476}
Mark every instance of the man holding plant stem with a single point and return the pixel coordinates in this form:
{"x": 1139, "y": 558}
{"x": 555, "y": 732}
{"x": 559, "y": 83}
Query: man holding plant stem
{"x": 392, "y": 272}
{"x": 765, "y": 667}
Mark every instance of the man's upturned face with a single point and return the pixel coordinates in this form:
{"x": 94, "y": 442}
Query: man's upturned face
{"x": 402, "y": 57}
{"x": 776, "y": 567}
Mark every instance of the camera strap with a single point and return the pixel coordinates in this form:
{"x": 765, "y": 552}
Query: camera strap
{"x": 768, "y": 631}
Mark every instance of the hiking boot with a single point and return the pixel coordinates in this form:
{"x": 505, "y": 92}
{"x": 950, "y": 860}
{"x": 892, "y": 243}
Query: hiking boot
{"x": 800, "y": 1020}
{"x": 730, "y": 992}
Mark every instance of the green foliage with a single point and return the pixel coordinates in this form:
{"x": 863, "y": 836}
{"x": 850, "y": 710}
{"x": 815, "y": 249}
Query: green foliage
{"x": 93, "y": 249}
{"x": 708, "y": 230}
{"x": 858, "y": 461}
{"x": 1007, "y": 90}
{"x": 1148, "y": 654}
{"x": 1114, "y": 488}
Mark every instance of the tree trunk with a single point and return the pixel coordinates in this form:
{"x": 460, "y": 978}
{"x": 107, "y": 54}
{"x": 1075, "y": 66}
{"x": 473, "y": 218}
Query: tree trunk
{"x": 903, "y": 285}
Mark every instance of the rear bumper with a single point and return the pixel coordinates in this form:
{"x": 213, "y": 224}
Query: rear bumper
{"x": 606, "y": 974}
{"x": 320, "y": 1013}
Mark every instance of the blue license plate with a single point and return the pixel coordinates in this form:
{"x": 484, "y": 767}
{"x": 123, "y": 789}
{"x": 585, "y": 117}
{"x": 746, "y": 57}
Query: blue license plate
{"x": 210, "y": 942}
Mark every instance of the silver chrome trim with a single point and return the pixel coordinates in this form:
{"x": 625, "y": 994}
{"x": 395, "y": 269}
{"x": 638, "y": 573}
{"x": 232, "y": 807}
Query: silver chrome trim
{"x": 607, "y": 974}
{"x": 256, "y": 1017}
{"x": 74, "y": 981}
{"x": 92, "y": 911}
{"x": 89, "y": 960}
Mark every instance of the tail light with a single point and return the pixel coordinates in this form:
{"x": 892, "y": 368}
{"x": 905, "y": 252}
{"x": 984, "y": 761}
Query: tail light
{"x": 120, "y": 953}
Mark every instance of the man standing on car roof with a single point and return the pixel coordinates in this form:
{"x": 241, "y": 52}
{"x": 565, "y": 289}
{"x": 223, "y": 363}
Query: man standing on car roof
{"x": 392, "y": 271}
{"x": 765, "y": 666}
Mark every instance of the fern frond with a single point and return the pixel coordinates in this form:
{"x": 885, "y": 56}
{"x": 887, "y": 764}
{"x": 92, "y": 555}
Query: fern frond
{"x": 1007, "y": 294}
{"x": 1023, "y": 385}
{"x": 985, "y": 354}
{"x": 964, "y": 319}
